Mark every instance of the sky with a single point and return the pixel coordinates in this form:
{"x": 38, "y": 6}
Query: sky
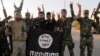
{"x": 49, "y": 5}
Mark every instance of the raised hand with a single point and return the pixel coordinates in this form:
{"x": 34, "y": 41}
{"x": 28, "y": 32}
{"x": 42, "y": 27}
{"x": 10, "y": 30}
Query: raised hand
{"x": 15, "y": 6}
{"x": 71, "y": 5}
{"x": 79, "y": 12}
{"x": 58, "y": 15}
{"x": 21, "y": 5}
{"x": 79, "y": 5}
{"x": 43, "y": 8}
{"x": 39, "y": 9}
{"x": 53, "y": 15}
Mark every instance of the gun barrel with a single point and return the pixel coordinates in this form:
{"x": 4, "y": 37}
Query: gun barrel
{"x": 98, "y": 7}
{"x": 5, "y": 13}
{"x": 4, "y": 10}
{"x": 93, "y": 13}
{"x": 2, "y": 4}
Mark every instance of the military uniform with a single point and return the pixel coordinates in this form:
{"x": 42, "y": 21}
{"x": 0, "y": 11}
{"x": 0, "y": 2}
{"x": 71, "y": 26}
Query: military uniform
{"x": 28, "y": 23}
{"x": 67, "y": 38}
{"x": 86, "y": 39}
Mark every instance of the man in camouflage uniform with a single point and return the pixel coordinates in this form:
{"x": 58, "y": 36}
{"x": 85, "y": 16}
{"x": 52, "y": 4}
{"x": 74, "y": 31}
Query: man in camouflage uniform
{"x": 86, "y": 39}
{"x": 65, "y": 26}
{"x": 28, "y": 20}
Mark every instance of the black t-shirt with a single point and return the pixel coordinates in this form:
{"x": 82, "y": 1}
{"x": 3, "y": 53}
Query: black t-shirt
{"x": 48, "y": 25}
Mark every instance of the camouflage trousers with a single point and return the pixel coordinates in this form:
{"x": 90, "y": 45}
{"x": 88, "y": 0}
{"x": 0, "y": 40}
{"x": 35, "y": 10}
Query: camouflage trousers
{"x": 70, "y": 44}
{"x": 86, "y": 41}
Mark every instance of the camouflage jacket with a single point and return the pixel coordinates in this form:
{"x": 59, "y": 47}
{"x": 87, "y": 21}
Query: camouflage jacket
{"x": 66, "y": 25}
{"x": 28, "y": 23}
{"x": 86, "y": 25}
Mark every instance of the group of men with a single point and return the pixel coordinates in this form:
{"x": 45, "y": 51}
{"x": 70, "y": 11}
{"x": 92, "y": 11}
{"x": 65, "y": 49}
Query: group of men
{"x": 18, "y": 30}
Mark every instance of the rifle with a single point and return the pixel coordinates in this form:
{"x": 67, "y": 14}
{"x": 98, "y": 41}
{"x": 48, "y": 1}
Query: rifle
{"x": 96, "y": 17}
{"x": 97, "y": 10}
{"x": 5, "y": 27}
{"x": 93, "y": 13}
{"x": 4, "y": 10}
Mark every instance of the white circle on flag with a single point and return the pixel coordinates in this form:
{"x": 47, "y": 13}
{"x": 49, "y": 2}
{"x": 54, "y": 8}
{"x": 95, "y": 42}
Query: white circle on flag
{"x": 45, "y": 41}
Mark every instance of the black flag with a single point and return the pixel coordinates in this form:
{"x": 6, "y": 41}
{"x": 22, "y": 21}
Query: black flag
{"x": 43, "y": 43}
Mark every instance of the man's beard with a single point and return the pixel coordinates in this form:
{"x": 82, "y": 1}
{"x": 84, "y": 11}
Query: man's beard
{"x": 18, "y": 18}
{"x": 86, "y": 17}
{"x": 63, "y": 17}
{"x": 42, "y": 18}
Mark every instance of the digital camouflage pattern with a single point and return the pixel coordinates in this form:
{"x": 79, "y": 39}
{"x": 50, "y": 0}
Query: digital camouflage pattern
{"x": 66, "y": 27}
{"x": 86, "y": 39}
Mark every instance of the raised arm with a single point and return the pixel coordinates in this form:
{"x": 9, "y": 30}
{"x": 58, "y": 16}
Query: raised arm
{"x": 43, "y": 8}
{"x": 79, "y": 12}
{"x": 72, "y": 11}
{"x": 15, "y": 6}
{"x": 18, "y": 9}
{"x": 58, "y": 15}
{"x": 21, "y": 5}
{"x": 39, "y": 9}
